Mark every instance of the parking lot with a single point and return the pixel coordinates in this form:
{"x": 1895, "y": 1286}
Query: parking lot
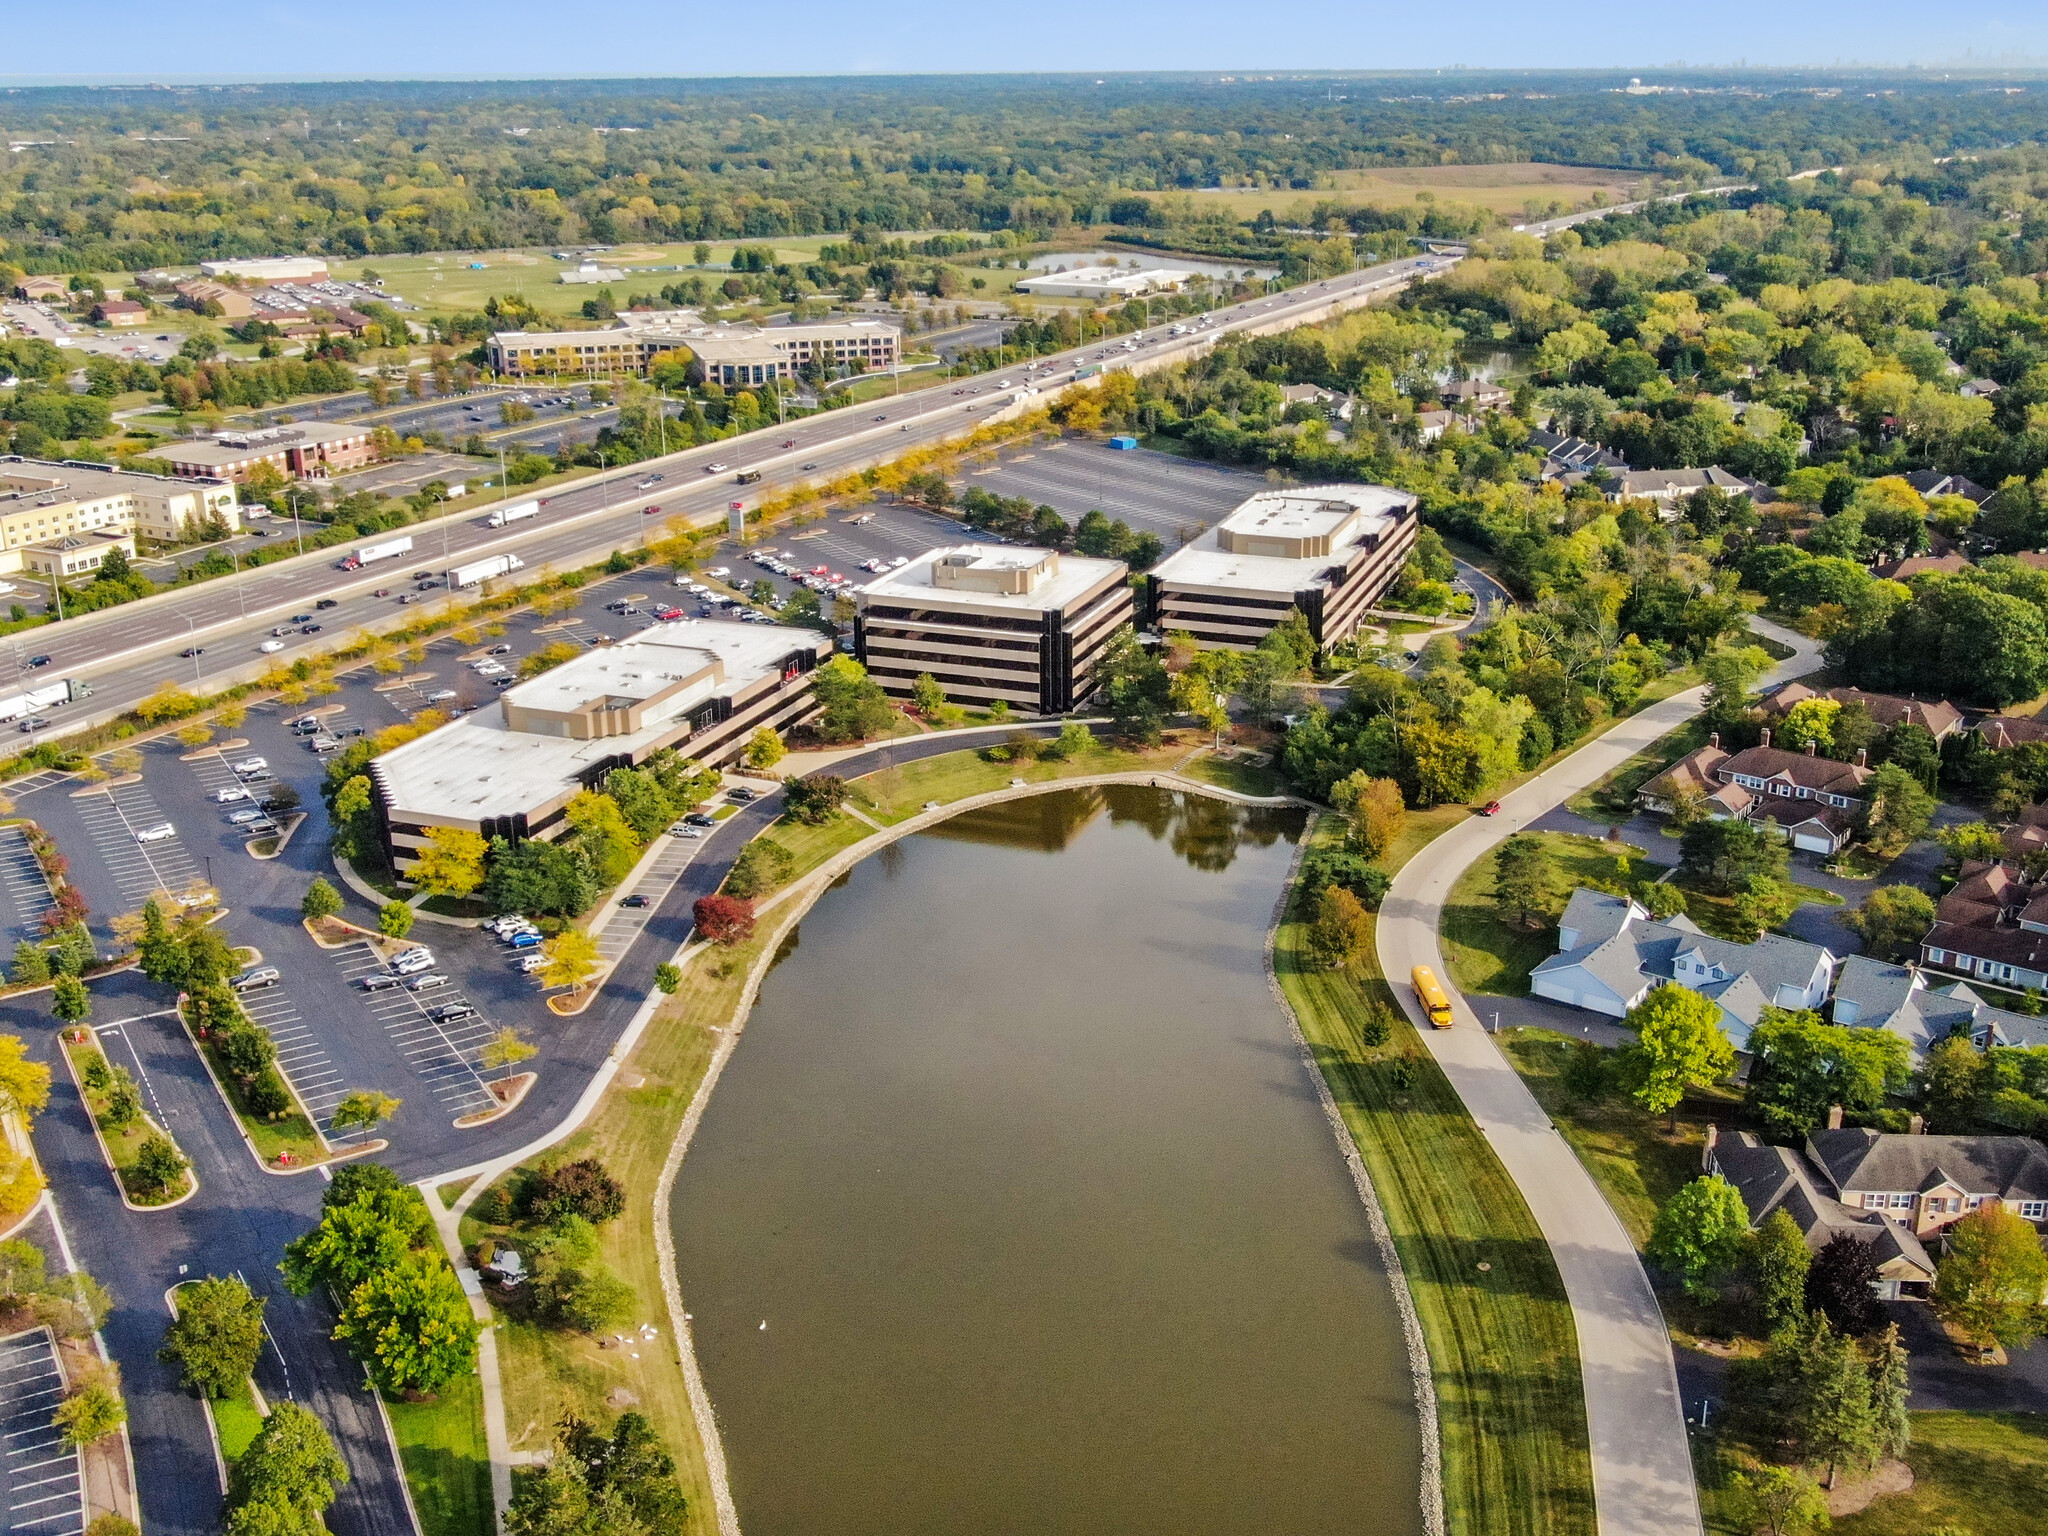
{"x": 1158, "y": 493}
{"x": 45, "y": 1480}
{"x": 23, "y": 889}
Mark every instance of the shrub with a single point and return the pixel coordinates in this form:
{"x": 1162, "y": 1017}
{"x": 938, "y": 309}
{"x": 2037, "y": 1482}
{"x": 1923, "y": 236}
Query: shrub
{"x": 322, "y": 900}
{"x": 724, "y": 920}
{"x": 761, "y": 867}
{"x": 814, "y": 798}
{"x": 583, "y": 1188}
{"x": 267, "y": 1095}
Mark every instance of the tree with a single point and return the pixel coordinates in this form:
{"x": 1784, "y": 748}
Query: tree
{"x": 321, "y": 900}
{"x": 1699, "y": 1233}
{"x": 69, "y": 1000}
{"x": 452, "y": 863}
{"x": 1778, "y": 1501}
{"x": 1810, "y": 722}
{"x": 1893, "y": 919}
{"x": 1585, "y": 1072}
{"x": 572, "y": 958}
{"x": 1990, "y": 1285}
{"x": 1802, "y": 1066}
{"x": 291, "y": 1470}
{"x": 394, "y": 919}
{"x": 1134, "y": 686}
{"x": 1889, "y": 1391}
{"x": 928, "y": 696}
{"x": 159, "y": 1164}
{"x": 764, "y": 749}
{"x": 1838, "y": 1284}
{"x": 623, "y": 1483}
{"x": 668, "y": 977}
{"x": 1525, "y": 879}
{"x": 1073, "y": 740}
{"x": 854, "y": 706}
{"x": 365, "y": 1108}
{"x": 216, "y": 1335}
{"x": 1761, "y": 904}
{"x": 1778, "y": 1262}
{"x": 1340, "y": 938}
{"x": 583, "y": 1188}
{"x": 761, "y": 867}
{"x": 410, "y": 1325}
{"x": 1374, "y": 808}
{"x": 724, "y": 920}
{"x": 1723, "y": 854}
{"x": 814, "y": 798}
{"x": 1730, "y": 673}
{"x": 371, "y": 1231}
{"x": 30, "y": 966}
{"x": 1953, "y": 1078}
{"x": 94, "y": 1411}
{"x": 506, "y": 1049}
{"x": 1679, "y": 1045}
{"x": 1898, "y": 807}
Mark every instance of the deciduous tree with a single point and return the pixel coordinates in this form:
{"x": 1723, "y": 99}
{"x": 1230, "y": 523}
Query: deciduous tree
{"x": 1679, "y": 1045}
{"x": 572, "y": 958}
{"x": 394, "y": 919}
{"x": 1340, "y": 938}
{"x": 1525, "y": 879}
{"x": 216, "y": 1335}
{"x": 321, "y": 900}
{"x": 1892, "y": 920}
{"x": 1838, "y": 1284}
{"x": 452, "y": 862}
{"x": 1990, "y": 1284}
{"x": 724, "y": 920}
{"x": 1778, "y": 1262}
{"x": 410, "y": 1325}
{"x": 364, "y": 1109}
{"x": 1699, "y": 1233}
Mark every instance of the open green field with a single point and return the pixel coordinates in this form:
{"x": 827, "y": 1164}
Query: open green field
{"x": 895, "y": 794}
{"x": 1485, "y": 950}
{"x": 1502, "y": 1346}
{"x": 447, "y": 1465}
{"x": 1508, "y": 188}
{"x": 1977, "y": 1472}
{"x": 236, "y": 1422}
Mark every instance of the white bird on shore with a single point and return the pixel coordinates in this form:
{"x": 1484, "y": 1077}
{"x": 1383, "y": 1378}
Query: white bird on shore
{"x": 764, "y": 1325}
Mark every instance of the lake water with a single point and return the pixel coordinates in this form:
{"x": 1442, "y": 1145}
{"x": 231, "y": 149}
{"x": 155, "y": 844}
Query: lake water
{"x": 1018, "y": 1163}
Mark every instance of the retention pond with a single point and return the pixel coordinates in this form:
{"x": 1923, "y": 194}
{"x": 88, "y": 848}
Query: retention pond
{"x": 1016, "y": 1210}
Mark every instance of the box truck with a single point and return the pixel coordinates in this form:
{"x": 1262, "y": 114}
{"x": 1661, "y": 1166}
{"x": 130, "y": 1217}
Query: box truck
{"x": 483, "y": 570}
{"x": 512, "y": 514}
{"x": 363, "y": 554}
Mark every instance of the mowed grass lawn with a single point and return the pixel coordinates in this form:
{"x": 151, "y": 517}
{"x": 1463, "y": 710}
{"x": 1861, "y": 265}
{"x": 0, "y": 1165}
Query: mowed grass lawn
{"x": 891, "y": 795}
{"x": 447, "y": 1465}
{"x": 1487, "y": 948}
{"x": 1502, "y": 1346}
{"x": 1983, "y": 1473}
{"x": 1614, "y": 796}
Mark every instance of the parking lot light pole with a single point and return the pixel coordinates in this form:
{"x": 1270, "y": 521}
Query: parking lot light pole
{"x": 292, "y": 495}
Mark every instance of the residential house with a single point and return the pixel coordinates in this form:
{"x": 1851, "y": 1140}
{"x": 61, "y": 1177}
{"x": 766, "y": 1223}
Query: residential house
{"x": 1993, "y": 925}
{"x": 1338, "y": 402}
{"x": 1980, "y": 389}
{"x": 1932, "y": 482}
{"x": 1813, "y": 799}
{"x": 1611, "y": 954}
{"x": 1877, "y": 994}
{"x": 2028, "y": 836}
{"x": 1571, "y": 459}
{"x": 1668, "y": 487}
{"x": 1939, "y": 718}
{"x": 1697, "y": 771}
{"x": 1998, "y": 732}
{"x": 1431, "y": 425}
{"x": 1468, "y": 395}
{"x": 1921, "y": 565}
{"x": 1785, "y": 1179}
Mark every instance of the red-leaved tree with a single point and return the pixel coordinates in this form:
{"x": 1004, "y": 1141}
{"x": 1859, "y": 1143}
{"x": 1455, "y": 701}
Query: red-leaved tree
{"x": 726, "y": 920}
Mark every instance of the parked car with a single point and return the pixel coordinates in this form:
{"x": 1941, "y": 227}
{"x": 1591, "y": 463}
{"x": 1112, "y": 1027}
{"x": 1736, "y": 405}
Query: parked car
{"x": 157, "y": 833}
{"x": 741, "y": 793}
{"x": 679, "y": 830}
{"x": 260, "y": 976}
{"x": 451, "y": 1013}
{"x": 499, "y": 650}
{"x": 427, "y": 982}
{"x": 249, "y": 765}
{"x": 412, "y": 961}
{"x": 524, "y": 941}
{"x": 531, "y": 963}
{"x": 699, "y": 819}
{"x": 243, "y": 818}
{"x": 231, "y": 794}
{"x": 634, "y": 900}
{"x": 378, "y": 981}
{"x": 440, "y": 694}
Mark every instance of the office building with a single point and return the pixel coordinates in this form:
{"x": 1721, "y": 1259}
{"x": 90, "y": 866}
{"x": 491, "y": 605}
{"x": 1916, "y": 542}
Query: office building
{"x": 306, "y": 450}
{"x": 1329, "y": 551}
{"x": 992, "y": 621}
{"x": 269, "y": 269}
{"x": 510, "y": 769}
{"x": 42, "y": 505}
{"x": 734, "y": 356}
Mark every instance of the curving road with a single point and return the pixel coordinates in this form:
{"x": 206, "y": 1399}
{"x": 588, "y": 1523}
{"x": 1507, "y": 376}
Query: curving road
{"x": 1642, "y": 1467}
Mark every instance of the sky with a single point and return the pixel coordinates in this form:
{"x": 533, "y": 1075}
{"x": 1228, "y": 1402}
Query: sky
{"x": 446, "y": 39}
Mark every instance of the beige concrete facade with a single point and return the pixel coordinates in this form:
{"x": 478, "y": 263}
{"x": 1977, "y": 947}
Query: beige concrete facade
{"x": 42, "y": 503}
{"x": 735, "y": 356}
{"x": 990, "y": 622}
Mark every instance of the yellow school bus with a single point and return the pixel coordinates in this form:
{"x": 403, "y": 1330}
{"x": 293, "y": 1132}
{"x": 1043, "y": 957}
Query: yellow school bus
{"x": 1431, "y": 996}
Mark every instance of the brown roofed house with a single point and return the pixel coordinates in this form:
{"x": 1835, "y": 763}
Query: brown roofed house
{"x": 1695, "y": 771}
{"x": 1992, "y": 925}
{"x": 1813, "y": 798}
{"x": 1999, "y": 732}
{"x": 1922, "y": 565}
{"x": 1938, "y": 717}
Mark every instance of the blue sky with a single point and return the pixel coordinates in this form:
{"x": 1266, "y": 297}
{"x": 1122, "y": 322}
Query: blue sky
{"x": 536, "y": 38}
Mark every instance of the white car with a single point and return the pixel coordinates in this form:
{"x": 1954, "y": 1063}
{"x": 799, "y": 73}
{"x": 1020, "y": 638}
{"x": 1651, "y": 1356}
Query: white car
{"x": 249, "y": 765}
{"x": 231, "y": 794}
{"x": 412, "y": 962}
{"x": 898, "y": 563}
{"x": 157, "y": 833}
{"x": 268, "y": 647}
{"x": 439, "y": 695}
{"x": 531, "y": 963}
{"x": 719, "y": 570}
{"x": 716, "y": 469}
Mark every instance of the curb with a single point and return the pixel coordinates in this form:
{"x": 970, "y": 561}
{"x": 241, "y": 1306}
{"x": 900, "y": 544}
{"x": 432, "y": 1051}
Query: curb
{"x": 120, "y": 1188}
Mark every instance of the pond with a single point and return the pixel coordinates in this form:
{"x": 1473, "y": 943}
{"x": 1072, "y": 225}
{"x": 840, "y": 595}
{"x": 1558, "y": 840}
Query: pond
{"x": 1016, "y": 1210}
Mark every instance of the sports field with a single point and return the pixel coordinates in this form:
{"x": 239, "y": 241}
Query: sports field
{"x": 1501, "y": 188}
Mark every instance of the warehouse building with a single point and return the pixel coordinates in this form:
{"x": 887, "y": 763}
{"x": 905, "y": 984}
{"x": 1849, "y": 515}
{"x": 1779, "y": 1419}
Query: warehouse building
{"x": 1105, "y": 282}
{"x": 42, "y": 505}
{"x": 736, "y": 356}
{"x": 993, "y": 622}
{"x": 510, "y": 769}
{"x": 306, "y": 450}
{"x": 1329, "y": 551}
{"x": 269, "y": 269}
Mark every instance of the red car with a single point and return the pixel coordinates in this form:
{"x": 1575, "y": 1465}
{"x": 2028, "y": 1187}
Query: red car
{"x": 649, "y": 511}
{"x": 1491, "y": 808}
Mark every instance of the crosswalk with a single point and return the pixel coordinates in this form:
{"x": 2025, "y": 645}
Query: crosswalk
{"x": 139, "y": 869}
{"x": 28, "y": 890}
{"x": 443, "y": 1055}
{"x": 44, "y": 1478}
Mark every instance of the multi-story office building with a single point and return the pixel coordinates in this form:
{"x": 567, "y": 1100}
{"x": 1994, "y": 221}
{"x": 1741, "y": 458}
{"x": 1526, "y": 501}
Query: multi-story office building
{"x": 735, "y": 355}
{"x": 44, "y": 504}
{"x": 993, "y": 622}
{"x": 307, "y": 450}
{"x": 1327, "y": 550}
{"x": 510, "y": 770}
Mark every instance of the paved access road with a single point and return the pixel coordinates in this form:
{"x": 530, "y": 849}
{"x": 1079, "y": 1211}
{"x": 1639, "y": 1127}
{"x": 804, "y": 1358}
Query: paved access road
{"x": 228, "y": 617}
{"x": 1642, "y": 1468}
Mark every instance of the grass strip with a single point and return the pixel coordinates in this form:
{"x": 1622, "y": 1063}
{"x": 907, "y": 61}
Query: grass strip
{"x": 1502, "y": 1346}
{"x": 290, "y": 1132}
{"x": 447, "y": 1465}
{"x": 123, "y": 1142}
{"x": 235, "y": 1422}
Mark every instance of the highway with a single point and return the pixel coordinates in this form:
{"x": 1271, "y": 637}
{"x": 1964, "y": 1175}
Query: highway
{"x": 126, "y": 652}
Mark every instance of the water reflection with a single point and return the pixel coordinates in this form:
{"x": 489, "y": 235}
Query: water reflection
{"x": 1206, "y": 833}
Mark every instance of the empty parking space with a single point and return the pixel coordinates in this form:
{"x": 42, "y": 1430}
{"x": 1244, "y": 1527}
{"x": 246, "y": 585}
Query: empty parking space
{"x": 1153, "y": 492}
{"x": 35, "y": 783}
{"x": 138, "y": 867}
{"x": 44, "y": 1489}
{"x": 26, "y": 890}
{"x": 444, "y": 1056}
{"x": 626, "y": 924}
{"x": 301, "y": 1056}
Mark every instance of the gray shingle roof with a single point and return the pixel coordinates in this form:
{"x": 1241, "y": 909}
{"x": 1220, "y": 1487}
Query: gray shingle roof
{"x": 1856, "y": 1158}
{"x": 1773, "y": 1178}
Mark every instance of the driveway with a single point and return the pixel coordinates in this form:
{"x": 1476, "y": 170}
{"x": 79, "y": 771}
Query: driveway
{"x": 1642, "y": 1467}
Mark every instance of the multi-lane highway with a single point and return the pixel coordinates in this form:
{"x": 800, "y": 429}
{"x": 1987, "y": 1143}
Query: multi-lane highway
{"x": 125, "y": 653}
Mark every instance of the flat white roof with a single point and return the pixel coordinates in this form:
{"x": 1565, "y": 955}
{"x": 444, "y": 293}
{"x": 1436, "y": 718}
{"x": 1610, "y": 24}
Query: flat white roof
{"x": 479, "y": 767}
{"x": 912, "y": 583}
{"x": 1126, "y": 278}
{"x": 1292, "y": 513}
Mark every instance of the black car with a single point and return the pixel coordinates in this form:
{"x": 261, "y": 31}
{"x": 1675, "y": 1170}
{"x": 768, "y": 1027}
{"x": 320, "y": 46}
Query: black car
{"x": 39, "y": 661}
{"x": 741, "y": 793}
{"x": 450, "y": 1013}
{"x": 193, "y": 650}
{"x": 309, "y": 629}
{"x": 327, "y": 602}
{"x": 634, "y": 901}
{"x": 699, "y": 819}
{"x": 300, "y": 618}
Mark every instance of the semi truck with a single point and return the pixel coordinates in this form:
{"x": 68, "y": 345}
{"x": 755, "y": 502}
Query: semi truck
{"x": 483, "y": 570}
{"x": 363, "y": 554}
{"x": 512, "y": 514}
{"x": 49, "y": 696}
